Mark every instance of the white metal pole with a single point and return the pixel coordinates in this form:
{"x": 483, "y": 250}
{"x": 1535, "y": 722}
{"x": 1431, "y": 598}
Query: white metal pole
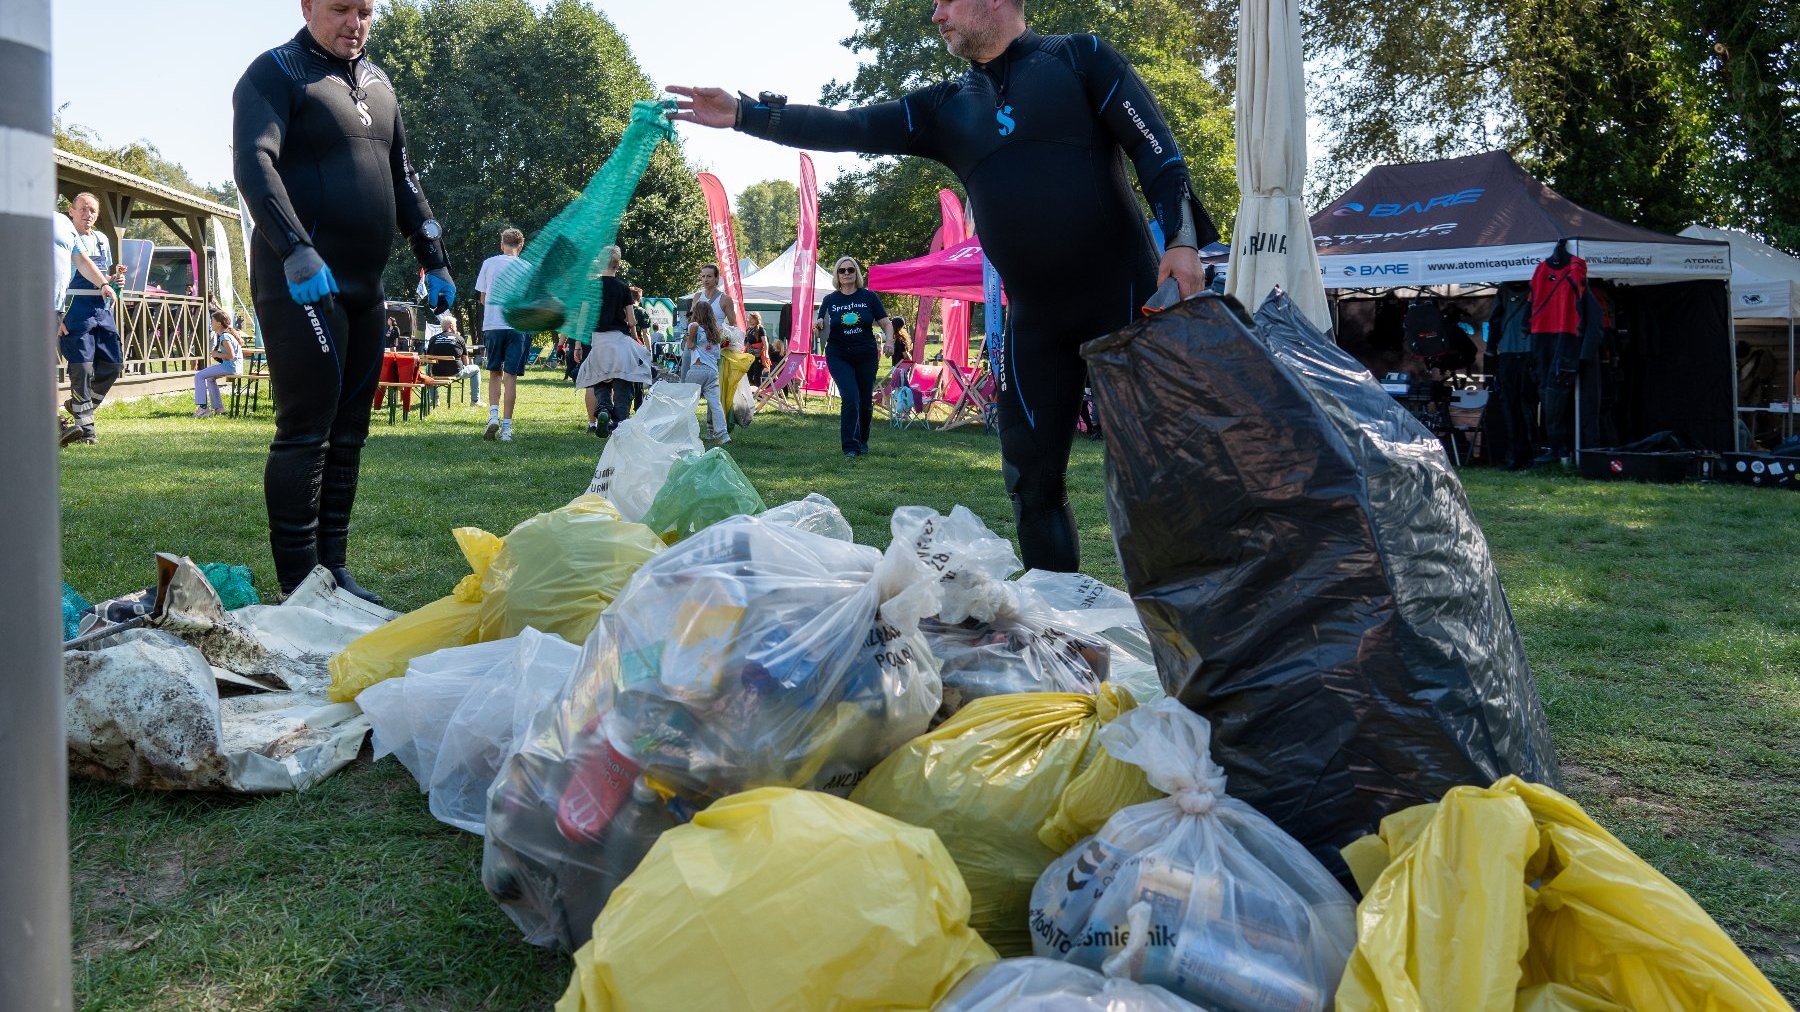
{"x": 34, "y": 832}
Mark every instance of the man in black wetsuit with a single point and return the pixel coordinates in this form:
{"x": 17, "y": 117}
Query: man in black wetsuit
{"x": 1034, "y": 130}
{"x": 320, "y": 158}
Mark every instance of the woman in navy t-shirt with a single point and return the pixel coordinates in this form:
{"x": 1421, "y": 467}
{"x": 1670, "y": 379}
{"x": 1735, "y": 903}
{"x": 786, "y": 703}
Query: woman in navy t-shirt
{"x": 849, "y": 318}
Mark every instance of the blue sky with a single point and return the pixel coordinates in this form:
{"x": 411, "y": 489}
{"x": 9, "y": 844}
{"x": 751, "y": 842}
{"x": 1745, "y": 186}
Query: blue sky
{"x": 789, "y": 46}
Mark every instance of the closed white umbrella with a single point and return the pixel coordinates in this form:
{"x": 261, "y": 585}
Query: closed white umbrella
{"x": 1272, "y": 243}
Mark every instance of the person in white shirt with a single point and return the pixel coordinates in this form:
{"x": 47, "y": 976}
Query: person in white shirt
{"x": 704, "y": 342}
{"x": 88, "y": 337}
{"x": 506, "y": 349}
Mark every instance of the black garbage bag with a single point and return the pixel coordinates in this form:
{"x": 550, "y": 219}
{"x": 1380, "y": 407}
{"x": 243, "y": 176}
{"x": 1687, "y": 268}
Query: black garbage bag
{"x": 1309, "y": 572}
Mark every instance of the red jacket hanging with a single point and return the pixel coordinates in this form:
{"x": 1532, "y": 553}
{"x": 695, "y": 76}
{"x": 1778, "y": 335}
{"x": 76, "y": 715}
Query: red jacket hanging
{"x": 1556, "y": 297}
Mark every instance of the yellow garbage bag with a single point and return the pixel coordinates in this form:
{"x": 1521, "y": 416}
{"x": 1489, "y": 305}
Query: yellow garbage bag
{"x": 733, "y": 366}
{"x": 1009, "y": 784}
{"x": 777, "y": 899}
{"x": 559, "y": 570}
{"x": 447, "y": 622}
{"x": 1510, "y": 897}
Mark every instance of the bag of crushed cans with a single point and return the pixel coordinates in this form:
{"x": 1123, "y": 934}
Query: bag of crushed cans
{"x": 752, "y": 654}
{"x": 1198, "y": 892}
{"x": 1044, "y": 985}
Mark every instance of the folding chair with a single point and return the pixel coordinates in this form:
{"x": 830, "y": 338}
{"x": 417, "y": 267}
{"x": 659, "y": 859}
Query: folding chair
{"x": 976, "y": 403}
{"x": 782, "y": 388}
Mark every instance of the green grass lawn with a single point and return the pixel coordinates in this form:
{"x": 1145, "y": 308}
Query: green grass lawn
{"x": 1663, "y": 624}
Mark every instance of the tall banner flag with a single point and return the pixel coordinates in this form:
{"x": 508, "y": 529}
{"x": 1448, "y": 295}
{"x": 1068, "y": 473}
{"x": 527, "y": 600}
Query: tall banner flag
{"x": 718, "y": 210}
{"x": 248, "y": 225}
{"x": 806, "y": 260}
{"x": 814, "y": 377}
{"x": 956, "y": 313}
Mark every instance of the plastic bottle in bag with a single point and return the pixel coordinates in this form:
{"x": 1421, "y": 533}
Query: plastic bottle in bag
{"x": 1197, "y": 892}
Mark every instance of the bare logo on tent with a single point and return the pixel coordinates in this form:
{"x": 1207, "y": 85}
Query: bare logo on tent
{"x": 1003, "y": 116}
{"x": 1752, "y": 299}
{"x": 1377, "y": 270}
{"x": 1468, "y": 196}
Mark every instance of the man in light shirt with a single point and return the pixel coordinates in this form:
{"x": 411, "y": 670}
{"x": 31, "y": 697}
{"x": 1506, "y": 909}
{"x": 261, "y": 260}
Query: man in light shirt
{"x": 506, "y": 349}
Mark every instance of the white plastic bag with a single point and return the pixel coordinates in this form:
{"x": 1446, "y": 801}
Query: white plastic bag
{"x": 814, "y": 513}
{"x": 1086, "y": 605}
{"x": 1198, "y": 892}
{"x": 460, "y": 713}
{"x": 1045, "y": 985}
{"x": 993, "y": 636}
{"x": 409, "y": 714}
{"x": 491, "y": 724}
{"x": 743, "y": 402}
{"x": 752, "y": 654}
{"x": 641, "y": 450}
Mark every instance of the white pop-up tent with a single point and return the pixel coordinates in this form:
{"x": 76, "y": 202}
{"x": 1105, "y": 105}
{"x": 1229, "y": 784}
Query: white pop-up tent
{"x": 1765, "y": 302}
{"x": 1765, "y": 282}
{"x": 774, "y": 284}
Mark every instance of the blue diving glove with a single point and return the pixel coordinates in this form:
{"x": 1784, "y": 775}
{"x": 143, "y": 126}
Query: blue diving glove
{"x": 438, "y": 286}
{"x": 309, "y": 280}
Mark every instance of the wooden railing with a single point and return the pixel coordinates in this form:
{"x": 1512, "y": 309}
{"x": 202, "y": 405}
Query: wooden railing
{"x": 163, "y": 333}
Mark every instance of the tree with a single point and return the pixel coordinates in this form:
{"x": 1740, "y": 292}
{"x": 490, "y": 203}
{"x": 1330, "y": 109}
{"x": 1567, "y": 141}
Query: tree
{"x": 1748, "y": 55}
{"x": 768, "y": 215}
{"x": 509, "y": 112}
{"x": 1654, "y": 111}
{"x": 889, "y": 210}
{"x": 884, "y": 213}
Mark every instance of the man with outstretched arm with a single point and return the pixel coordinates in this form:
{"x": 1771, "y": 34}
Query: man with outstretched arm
{"x": 1033, "y": 130}
{"x": 319, "y": 153}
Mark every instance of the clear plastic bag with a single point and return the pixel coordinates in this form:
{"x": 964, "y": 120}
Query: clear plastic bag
{"x": 1198, "y": 892}
{"x": 641, "y": 450}
{"x": 752, "y": 654}
{"x": 491, "y": 723}
{"x": 1045, "y": 985}
{"x": 1084, "y": 604}
{"x": 993, "y": 637}
{"x": 814, "y": 513}
{"x": 409, "y": 714}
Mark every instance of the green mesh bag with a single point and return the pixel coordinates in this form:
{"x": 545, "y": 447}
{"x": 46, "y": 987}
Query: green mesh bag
{"x": 556, "y": 283}
{"x": 703, "y": 489}
{"x": 234, "y": 584}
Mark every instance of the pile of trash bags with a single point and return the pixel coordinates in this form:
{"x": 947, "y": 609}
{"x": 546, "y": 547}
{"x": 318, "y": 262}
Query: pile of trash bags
{"x": 730, "y": 758}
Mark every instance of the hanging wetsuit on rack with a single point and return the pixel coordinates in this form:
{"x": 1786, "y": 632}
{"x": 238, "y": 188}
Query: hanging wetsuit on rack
{"x": 1558, "y": 287}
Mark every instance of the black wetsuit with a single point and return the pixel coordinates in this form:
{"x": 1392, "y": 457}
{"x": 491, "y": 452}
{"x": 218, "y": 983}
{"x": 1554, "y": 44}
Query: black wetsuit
{"x": 320, "y": 159}
{"x": 1036, "y": 137}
